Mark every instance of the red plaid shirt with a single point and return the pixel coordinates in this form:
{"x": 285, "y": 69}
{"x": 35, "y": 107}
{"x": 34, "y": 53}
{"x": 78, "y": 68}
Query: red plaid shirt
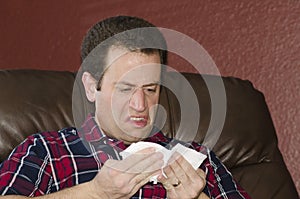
{"x": 51, "y": 161}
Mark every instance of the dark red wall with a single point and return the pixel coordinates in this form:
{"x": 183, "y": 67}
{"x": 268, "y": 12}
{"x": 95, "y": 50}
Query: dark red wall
{"x": 255, "y": 40}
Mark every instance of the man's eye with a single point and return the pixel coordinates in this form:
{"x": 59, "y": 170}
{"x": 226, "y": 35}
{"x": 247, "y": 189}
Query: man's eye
{"x": 124, "y": 89}
{"x": 150, "y": 90}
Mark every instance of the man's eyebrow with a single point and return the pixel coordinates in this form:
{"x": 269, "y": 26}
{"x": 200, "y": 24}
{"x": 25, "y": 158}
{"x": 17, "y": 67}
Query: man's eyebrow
{"x": 151, "y": 84}
{"x": 132, "y": 85}
{"x": 123, "y": 83}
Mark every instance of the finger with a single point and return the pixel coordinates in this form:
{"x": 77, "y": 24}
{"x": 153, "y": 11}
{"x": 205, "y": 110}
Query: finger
{"x": 185, "y": 170}
{"x": 175, "y": 156}
{"x": 143, "y": 178}
{"x": 140, "y": 155}
{"x": 142, "y": 182}
{"x": 180, "y": 168}
{"x": 149, "y": 164}
{"x": 170, "y": 171}
{"x": 184, "y": 164}
{"x": 169, "y": 176}
{"x": 194, "y": 175}
{"x": 168, "y": 186}
{"x": 135, "y": 160}
{"x": 166, "y": 182}
{"x": 188, "y": 168}
{"x": 172, "y": 190}
{"x": 201, "y": 173}
{"x": 191, "y": 182}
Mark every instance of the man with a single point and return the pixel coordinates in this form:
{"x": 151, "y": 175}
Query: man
{"x": 121, "y": 75}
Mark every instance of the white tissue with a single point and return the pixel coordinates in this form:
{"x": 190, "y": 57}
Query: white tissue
{"x": 193, "y": 157}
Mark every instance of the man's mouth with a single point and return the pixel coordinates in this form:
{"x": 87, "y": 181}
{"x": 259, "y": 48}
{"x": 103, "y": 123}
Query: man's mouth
{"x": 137, "y": 118}
{"x": 139, "y": 121}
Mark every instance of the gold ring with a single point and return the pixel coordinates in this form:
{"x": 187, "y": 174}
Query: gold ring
{"x": 177, "y": 184}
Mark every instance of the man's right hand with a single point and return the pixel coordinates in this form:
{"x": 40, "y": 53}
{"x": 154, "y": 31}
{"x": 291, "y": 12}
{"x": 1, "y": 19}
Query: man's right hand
{"x": 123, "y": 178}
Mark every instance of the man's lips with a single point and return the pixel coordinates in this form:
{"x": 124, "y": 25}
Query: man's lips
{"x": 138, "y": 121}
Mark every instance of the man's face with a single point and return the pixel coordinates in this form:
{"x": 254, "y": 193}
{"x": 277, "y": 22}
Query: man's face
{"x": 125, "y": 105}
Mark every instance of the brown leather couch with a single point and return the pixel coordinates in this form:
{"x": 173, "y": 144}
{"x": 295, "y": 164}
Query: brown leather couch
{"x": 33, "y": 101}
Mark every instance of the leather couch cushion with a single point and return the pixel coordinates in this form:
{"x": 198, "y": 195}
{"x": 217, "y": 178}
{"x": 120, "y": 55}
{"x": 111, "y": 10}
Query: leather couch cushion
{"x": 33, "y": 101}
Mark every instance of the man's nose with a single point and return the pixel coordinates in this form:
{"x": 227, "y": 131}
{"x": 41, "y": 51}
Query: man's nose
{"x": 137, "y": 100}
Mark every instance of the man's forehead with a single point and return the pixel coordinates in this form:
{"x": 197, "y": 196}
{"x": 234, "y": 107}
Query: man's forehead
{"x": 138, "y": 77}
{"x": 136, "y": 68}
{"x": 114, "y": 53}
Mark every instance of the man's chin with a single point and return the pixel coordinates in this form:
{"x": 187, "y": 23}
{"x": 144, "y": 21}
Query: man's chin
{"x": 136, "y": 135}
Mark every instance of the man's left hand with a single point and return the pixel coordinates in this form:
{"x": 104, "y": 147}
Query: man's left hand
{"x": 181, "y": 180}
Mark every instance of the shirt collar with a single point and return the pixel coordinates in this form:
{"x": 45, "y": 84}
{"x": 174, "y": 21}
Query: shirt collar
{"x": 90, "y": 130}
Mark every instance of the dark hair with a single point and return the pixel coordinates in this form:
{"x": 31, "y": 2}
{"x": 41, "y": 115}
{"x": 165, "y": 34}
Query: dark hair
{"x": 132, "y": 33}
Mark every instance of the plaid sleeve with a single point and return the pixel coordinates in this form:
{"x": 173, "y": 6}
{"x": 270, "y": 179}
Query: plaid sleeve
{"x": 26, "y": 171}
{"x": 220, "y": 183}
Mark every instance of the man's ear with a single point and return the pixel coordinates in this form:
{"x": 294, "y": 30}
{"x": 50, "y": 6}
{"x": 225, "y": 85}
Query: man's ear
{"x": 89, "y": 83}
